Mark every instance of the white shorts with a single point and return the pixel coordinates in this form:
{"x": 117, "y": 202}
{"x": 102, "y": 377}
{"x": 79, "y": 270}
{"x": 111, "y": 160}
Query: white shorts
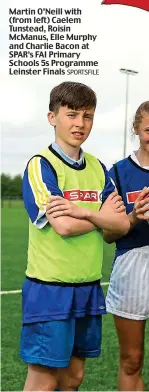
{"x": 128, "y": 292}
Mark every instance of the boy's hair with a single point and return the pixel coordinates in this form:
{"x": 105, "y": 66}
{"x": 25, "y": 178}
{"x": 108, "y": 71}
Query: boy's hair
{"x": 142, "y": 109}
{"x": 74, "y": 95}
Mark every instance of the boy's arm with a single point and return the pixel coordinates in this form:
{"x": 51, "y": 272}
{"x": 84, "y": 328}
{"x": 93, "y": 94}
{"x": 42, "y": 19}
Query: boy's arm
{"x": 68, "y": 226}
{"x": 110, "y": 237}
{"x": 111, "y": 216}
{"x": 39, "y": 183}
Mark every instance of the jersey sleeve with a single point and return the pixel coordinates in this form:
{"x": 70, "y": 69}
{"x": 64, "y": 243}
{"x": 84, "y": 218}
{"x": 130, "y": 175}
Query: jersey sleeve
{"x": 39, "y": 182}
{"x": 109, "y": 184}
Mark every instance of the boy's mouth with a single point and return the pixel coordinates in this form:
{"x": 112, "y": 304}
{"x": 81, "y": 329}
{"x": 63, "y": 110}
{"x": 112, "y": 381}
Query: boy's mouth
{"x": 78, "y": 133}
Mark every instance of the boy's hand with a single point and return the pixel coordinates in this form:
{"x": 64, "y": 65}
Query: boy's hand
{"x": 140, "y": 207}
{"x": 58, "y": 206}
{"x": 114, "y": 202}
{"x": 112, "y": 215}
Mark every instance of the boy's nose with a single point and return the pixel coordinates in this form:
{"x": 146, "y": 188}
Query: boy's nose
{"x": 79, "y": 122}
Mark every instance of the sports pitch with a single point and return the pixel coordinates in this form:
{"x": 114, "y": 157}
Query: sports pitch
{"x": 100, "y": 373}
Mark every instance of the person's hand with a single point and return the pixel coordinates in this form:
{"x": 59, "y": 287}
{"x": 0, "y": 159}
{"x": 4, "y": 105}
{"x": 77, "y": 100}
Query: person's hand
{"x": 113, "y": 215}
{"x": 114, "y": 202}
{"x": 141, "y": 207}
{"x": 58, "y": 206}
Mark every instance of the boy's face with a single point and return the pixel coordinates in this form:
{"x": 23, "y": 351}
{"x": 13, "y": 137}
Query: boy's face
{"x": 72, "y": 126}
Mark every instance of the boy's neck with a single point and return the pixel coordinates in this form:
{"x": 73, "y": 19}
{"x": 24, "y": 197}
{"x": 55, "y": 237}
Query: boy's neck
{"x": 72, "y": 152}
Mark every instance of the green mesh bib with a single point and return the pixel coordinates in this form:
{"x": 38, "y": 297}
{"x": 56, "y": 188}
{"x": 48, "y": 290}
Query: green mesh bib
{"x": 74, "y": 259}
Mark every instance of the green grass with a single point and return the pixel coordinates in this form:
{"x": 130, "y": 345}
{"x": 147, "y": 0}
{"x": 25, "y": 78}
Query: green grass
{"x": 100, "y": 373}
{"x": 14, "y": 247}
{"x": 10, "y": 203}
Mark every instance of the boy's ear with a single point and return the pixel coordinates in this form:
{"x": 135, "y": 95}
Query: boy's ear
{"x": 51, "y": 118}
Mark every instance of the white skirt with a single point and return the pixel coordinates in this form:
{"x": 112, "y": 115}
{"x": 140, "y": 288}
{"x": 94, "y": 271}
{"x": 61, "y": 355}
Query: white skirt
{"x": 128, "y": 292}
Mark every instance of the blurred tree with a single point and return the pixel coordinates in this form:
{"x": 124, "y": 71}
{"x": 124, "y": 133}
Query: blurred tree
{"x": 16, "y": 186}
{"x": 11, "y": 187}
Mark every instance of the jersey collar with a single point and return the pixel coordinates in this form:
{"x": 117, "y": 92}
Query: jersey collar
{"x": 66, "y": 157}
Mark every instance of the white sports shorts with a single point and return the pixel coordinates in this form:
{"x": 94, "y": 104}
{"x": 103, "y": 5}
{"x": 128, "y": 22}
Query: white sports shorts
{"x": 128, "y": 292}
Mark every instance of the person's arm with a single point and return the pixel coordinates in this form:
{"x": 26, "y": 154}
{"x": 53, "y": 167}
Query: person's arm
{"x": 39, "y": 183}
{"x": 108, "y": 235}
{"x": 112, "y": 206}
{"x": 67, "y": 226}
{"x": 111, "y": 216}
{"x": 58, "y": 207}
{"x": 134, "y": 217}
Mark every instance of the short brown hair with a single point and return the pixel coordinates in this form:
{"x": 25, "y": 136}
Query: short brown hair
{"x": 72, "y": 94}
{"x": 142, "y": 109}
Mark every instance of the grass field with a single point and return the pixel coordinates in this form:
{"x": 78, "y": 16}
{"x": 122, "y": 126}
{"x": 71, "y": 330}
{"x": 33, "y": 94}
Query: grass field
{"x": 100, "y": 373}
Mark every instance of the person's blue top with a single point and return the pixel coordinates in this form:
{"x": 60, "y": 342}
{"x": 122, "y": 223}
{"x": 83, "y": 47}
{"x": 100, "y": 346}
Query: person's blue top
{"x": 131, "y": 179}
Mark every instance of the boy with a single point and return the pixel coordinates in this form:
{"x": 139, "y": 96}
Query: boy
{"x": 63, "y": 301}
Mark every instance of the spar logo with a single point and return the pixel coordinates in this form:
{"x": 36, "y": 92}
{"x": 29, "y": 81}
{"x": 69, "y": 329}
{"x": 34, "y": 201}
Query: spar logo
{"x": 85, "y": 195}
{"x": 132, "y": 196}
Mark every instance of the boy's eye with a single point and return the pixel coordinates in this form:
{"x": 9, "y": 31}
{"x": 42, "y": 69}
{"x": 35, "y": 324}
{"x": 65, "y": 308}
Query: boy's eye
{"x": 88, "y": 117}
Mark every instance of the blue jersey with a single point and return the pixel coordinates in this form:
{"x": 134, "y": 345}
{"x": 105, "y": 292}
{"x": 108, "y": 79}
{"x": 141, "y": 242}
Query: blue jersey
{"x": 132, "y": 179}
{"x": 41, "y": 301}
